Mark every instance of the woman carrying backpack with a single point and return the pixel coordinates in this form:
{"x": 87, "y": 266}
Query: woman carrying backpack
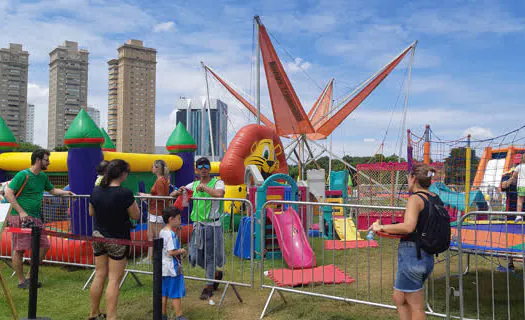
{"x": 414, "y": 263}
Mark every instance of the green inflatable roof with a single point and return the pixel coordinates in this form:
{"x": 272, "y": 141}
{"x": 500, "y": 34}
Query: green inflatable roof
{"x": 108, "y": 144}
{"x": 180, "y": 140}
{"x": 83, "y": 132}
{"x": 7, "y": 139}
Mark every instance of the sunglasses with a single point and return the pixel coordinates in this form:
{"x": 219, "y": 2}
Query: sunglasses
{"x": 205, "y": 166}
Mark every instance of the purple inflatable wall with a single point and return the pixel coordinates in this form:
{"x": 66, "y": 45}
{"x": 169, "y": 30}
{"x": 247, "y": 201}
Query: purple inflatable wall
{"x": 82, "y": 169}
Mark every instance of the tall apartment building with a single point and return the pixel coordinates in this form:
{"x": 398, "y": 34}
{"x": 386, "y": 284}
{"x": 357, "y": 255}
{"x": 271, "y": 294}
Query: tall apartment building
{"x": 113, "y": 99}
{"x": 193, "y": 113}
{"x": 14, "y": 63}
{"x": 94, "y": 113}
{"x": 30, "y": 123}
{"x": 131, "y": 98}
{"x": 68, "y": 84}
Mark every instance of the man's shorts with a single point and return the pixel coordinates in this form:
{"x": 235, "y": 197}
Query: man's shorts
{"x": 173, "y": 287}
{"x": 521, "y": 191}
{"x": 112, "y": 250}
{"x": 22, "y": 242}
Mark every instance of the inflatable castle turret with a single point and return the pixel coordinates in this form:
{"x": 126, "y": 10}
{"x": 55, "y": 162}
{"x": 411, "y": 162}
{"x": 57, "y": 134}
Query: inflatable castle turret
{"x": 7, "y": 143}
{"x": 84, "y": 139}
{"x": 182, "y": 144}
{"x": 108, "y": 144}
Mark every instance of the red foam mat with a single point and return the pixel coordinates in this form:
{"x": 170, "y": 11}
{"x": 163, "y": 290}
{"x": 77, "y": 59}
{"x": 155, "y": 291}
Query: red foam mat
{"x": 352, "y": 244}
{"x": 329, "y": 274}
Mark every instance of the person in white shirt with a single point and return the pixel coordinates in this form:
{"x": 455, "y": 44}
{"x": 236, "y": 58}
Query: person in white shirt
{"x": 519, "y": 176}
{"x": 172, "y": 277}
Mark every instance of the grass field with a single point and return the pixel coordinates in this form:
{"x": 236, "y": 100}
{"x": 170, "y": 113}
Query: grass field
{"x": 61, "y": 296}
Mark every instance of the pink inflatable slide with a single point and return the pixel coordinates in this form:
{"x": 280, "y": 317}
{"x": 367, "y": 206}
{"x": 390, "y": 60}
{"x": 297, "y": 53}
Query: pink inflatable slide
{"x": 292, "y": 239}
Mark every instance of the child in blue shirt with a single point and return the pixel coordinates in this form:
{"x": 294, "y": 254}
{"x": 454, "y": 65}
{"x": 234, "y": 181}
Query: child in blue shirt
{"x": 172, "y": 278}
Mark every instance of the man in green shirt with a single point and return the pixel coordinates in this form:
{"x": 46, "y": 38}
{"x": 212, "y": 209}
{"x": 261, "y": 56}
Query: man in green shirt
{"x": 25, "y": 193}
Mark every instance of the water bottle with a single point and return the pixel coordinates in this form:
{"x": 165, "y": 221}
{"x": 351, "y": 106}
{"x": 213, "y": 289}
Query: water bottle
{"x": 370, "y": 235}
{"x": 185, "y": 201}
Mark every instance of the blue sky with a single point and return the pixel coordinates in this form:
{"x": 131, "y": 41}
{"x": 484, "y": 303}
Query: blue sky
{"x": 468, "y": 72}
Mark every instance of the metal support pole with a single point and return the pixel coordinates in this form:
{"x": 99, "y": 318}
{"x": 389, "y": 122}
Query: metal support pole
{"x": 257, "y": 70}
{"x": 33, "y": 280}
{"x": 157, "y": 278}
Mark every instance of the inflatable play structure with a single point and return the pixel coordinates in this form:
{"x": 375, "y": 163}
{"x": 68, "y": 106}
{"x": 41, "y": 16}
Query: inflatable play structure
{"x": 252, "y": 145}
{"x": 88, "y": 145}
{"x": 492, "y": 165}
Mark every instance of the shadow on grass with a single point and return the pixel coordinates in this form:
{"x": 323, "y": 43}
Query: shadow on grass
{"x": 505, "y": 301}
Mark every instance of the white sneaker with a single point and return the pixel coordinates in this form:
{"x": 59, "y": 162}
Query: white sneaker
{"x": 518, "y": 219}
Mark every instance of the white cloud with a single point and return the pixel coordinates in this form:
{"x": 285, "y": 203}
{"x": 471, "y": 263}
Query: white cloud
{"x": 479, "y": 132}
{"x": 39, "y": 95}
{"x": 422, "y": 84}
{"x": 164, "y": 127}
{"x": 349, "y": 51}
{"x": 165, "y": 26}
{"x": 297, "y": 65}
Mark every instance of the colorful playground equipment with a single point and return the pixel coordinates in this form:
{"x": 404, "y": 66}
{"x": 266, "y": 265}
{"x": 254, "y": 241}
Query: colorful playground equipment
{"x": 289, "y": 241}
{"x": 491, "y": 236}
{"x": 455, "y": 201}
{"x": 335, "y": 221}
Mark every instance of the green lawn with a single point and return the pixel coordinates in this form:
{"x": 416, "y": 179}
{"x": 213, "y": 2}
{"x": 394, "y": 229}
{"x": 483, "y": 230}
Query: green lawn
{"x": 61, "y": 296}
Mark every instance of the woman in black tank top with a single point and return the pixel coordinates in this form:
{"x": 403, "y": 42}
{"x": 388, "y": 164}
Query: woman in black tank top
{"x": 412, "y": 271}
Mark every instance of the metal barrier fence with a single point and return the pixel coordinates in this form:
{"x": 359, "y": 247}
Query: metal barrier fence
{"x": 480, "y": 289}
{"x": 371, "y": 264}
{"x": 69, "y": 215}
{"x": 489, "y": 286}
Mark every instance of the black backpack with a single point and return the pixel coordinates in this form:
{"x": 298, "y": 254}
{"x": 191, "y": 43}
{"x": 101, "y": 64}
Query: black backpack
{"x": 433, "y": 229}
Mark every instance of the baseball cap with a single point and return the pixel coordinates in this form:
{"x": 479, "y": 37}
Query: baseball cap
{"x": 517, "y": 158}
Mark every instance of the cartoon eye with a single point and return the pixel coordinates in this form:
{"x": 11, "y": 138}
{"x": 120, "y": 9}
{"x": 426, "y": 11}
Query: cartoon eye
{"x": 266, "y": 152}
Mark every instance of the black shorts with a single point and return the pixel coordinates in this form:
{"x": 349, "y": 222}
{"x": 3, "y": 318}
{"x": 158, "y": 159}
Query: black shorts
{"x": 113, "y": 250}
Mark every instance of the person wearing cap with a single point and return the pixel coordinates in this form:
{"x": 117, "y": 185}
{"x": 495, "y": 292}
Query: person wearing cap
{"x": 206, "y": 247}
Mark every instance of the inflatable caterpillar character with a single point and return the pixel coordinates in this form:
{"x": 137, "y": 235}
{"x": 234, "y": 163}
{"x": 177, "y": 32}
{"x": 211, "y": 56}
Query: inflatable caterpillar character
{"x": 253, "y": 144}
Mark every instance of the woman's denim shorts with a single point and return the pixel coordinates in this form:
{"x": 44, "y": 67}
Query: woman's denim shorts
{"x": 411, "y": 272}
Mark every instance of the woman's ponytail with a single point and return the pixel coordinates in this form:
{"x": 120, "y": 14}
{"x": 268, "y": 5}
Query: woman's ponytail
{"x": 163, "y": 167}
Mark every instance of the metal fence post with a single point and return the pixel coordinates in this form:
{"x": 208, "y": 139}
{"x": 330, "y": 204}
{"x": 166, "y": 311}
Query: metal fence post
{"x": 33, "y": 280}
{"x": 157, "y": 278}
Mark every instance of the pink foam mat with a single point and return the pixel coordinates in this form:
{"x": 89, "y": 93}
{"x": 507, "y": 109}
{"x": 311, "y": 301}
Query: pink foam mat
{"x": 352, "y": 244}
{"x": 329, "y": 274}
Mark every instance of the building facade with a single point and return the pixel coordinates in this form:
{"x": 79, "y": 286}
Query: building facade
{"x": 113, "y": 99}
{"x": 193, "y": 113}
{"x": 30, "y": 123}
{"x": 68, "y": 84}
{"x": 14, "y": 64}
{"x": 131, "y": 98}
{"x": 94, "y": 113}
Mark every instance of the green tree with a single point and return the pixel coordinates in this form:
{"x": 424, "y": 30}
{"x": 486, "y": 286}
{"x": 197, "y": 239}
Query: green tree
{"x": 27, "y": 147}
{"x": 60, "y": 148}
{"x": 456, "y": 164}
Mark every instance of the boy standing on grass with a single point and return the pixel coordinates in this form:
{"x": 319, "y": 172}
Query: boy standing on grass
{"x": 172, "y": 278}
